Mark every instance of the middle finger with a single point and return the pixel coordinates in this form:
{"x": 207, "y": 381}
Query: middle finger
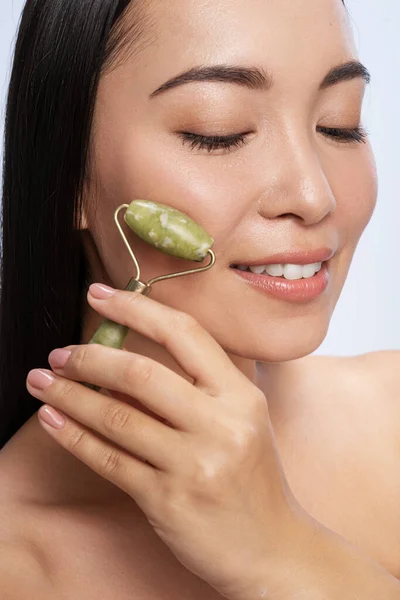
{"x": 155, "y": 386}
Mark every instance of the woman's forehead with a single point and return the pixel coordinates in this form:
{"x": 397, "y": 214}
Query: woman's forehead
{"x": 281, "y": 36}
{"x": 216, "y": 21}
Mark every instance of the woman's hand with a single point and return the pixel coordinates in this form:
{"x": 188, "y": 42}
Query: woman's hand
{"x": 206, "y": 473}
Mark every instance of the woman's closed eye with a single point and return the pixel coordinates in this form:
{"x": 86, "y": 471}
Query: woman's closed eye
{"x": 214, "y": 142}
{"x": 228, "y": 142}
{"x": 355, "y": 134}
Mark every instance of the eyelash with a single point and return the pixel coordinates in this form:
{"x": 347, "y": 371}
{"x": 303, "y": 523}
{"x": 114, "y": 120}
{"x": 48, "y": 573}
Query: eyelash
{"x": 215, "y": 142}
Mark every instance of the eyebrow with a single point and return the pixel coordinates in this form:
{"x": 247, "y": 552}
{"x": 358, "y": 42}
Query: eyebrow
{"x": 255, "y": 78}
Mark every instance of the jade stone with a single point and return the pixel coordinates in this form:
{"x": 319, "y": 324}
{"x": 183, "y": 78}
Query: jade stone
{"x": 169, "y": 230}
{"x": 110, "y": 334}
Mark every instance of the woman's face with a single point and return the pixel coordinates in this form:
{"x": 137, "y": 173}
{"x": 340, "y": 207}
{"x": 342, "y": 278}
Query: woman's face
{"x": 289, "y": 187}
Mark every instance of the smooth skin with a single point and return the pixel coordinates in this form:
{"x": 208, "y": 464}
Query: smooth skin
{"x": 335, "y": 420}
{"x": 213, "y": 487}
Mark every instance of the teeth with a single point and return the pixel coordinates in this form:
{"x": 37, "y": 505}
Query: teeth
{"x": 289, "y": 271}
{"x": 293, "y": 272}
{"x": 310, "y": 270}
{"x": 258, "y": 270}
{"x": 274, "y": 270}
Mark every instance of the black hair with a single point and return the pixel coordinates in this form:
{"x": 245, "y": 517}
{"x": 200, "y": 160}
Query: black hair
{"x": 61, "y": 50}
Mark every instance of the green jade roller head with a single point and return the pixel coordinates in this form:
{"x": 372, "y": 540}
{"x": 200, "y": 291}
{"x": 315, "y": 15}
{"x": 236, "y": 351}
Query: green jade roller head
{"x": 168, "y": 230}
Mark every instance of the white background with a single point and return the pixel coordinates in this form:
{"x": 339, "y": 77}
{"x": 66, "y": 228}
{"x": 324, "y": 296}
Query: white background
{"x": 366, "y": 316}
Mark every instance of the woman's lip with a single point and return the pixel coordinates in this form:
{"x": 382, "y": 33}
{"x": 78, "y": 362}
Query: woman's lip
{"x": 299, "y": 257}
{"x": 297, "y": 291}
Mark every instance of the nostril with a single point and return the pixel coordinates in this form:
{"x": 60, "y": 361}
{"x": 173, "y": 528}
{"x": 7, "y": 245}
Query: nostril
{"x": 292, "y": 215}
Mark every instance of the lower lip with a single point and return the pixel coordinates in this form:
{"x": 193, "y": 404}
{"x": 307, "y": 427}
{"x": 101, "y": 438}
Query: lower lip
{"x": 298, "y": 291}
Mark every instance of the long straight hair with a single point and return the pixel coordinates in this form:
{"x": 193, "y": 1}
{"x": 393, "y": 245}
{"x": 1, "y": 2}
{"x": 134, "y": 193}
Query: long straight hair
{"x": 61, "y": 48}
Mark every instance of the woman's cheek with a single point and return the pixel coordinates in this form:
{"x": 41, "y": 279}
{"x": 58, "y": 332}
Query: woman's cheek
{"x": 358, "y": 195}
{"x": 192, "y": 184}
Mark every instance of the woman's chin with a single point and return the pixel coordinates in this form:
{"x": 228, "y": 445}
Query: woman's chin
{"x": 288, "y": 343}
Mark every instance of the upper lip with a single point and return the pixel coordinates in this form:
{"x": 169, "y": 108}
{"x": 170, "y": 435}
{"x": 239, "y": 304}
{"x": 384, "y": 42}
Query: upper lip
{"x": 294, "y": 257}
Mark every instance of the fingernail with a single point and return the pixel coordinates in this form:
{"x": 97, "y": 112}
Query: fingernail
{"x": 58, "y": 358}
{"x": 40, "y": 379}
{"x": 100, "y": 291}
{"x": 51, "y": 417}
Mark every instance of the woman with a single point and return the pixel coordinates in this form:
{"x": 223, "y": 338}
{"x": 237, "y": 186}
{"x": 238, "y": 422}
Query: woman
{"x": 220, "y": 459}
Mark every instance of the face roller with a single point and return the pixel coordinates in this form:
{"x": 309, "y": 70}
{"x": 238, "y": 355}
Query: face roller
{"x": 168, "y": 230}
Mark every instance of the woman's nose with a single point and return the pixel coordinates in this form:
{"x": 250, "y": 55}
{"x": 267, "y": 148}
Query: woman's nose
{"x": 300, "y": 187}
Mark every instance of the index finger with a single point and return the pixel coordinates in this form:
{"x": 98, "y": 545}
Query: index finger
{"x": 193, "y": 348}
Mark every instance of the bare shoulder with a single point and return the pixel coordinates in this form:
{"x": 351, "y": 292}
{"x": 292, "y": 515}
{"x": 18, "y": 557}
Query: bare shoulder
{"x": 368, "y": 384}
{"x": 378, "y": 359}
{"x": 382, "y": 372}
{"x": 21, "y": 575}
{"x": 383, "y": 369}
{"x": 338, "y": 425}
{"x": 377, "y": 375}
{"x": 362, "y": 389}
{"x": 379, "y": 369}
{"x": 22, "y": 572}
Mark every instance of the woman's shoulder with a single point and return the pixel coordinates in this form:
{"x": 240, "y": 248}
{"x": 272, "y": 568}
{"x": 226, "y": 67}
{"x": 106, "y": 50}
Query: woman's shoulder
{"x": 21, "y": 571}
{"x": 360, "y": 398}
{"x": 372, "y": 376}
{"x": 347, "y": 413}
{"x": 379, "y": 369}
{"x": 370, "y": 381}
{"x": 372, "y": 373}
{"x": 22, "y": 560}
{"x": 21, "y": 576}
{"x": 382, "y": 369}
{"x": 381, "y": 373}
